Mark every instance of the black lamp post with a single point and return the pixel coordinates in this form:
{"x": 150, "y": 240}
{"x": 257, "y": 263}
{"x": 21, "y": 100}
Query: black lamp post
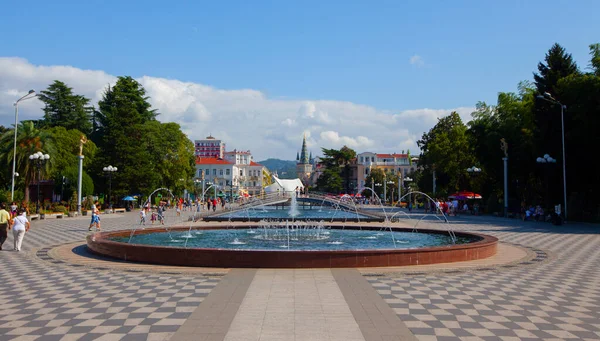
{"x": 547, "y": 159}
{"x": 109, "y": 171}
{"x": 39, "y": 159}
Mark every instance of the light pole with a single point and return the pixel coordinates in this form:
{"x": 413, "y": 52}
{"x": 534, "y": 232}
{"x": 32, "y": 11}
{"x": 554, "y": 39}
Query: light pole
{"x": 378, "y": 185}
{"x": 109, "y": 170}
{"x": 433, "y": 167}
{"x": 29, "y": 95}
{"x": 474, "y": 171}
{"x": 548, "y": 97}
{"x": 384, "y": 188}
{"x": 389, "y": 182}
{"x": 545, "y": 160}
{"x": 408, "y": 179}
{"x": 38, "y": 159}
{"x": 399, "y": 189}
{"x": 231, "y": 191}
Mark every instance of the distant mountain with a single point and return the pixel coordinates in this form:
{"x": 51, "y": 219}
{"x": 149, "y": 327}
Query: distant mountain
{"x": 284, "y": 168}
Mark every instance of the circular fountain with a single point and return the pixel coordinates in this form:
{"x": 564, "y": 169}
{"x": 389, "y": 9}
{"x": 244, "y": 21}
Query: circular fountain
{"x": 291, "y": 243}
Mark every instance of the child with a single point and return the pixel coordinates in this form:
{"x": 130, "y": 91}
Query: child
{"x": 143, "y": 216}
{"x": 153, "y": 217}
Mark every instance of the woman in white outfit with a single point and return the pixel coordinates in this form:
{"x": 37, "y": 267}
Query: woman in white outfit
{"x": 20, "y": 226}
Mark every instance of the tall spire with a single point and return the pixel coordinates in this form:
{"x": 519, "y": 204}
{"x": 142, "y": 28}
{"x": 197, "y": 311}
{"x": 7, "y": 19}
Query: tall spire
{"x": 304, "y": 154}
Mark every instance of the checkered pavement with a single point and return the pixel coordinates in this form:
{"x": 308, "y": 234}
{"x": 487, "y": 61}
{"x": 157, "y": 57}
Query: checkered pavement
{"x": 44, "y": 300}
{"x": 553, "y": 299}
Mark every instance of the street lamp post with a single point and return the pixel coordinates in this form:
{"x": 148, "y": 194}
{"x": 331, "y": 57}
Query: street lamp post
{"x": 548, "y": 97}
{"x": 378, "y": 185}
{"x": 389, "y": 182}
{"x": 545, "y": 160}
{"x": 384, "y": 188}
{"x": 39, "y": 159}
{"x": 399, "y": 189}
{"x": 474, "y": 172}
{"x": 408, "y": 179}
{"x": 12, "y": 186}
{"x": 109, "y": 171}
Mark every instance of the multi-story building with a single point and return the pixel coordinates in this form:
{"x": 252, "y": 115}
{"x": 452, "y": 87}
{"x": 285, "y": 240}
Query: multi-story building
{"x": 209, "y": 147}
{"x": 235, "y": 174}
{"x": 394, "y": 164}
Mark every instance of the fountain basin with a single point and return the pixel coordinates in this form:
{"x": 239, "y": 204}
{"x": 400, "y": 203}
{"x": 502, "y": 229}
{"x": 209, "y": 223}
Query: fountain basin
{"x": 102, "y": 243}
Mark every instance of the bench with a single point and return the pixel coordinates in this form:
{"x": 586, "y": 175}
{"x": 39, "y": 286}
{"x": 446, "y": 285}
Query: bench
{"x": 34, "y": 216}
{"x": 119, "y": 210}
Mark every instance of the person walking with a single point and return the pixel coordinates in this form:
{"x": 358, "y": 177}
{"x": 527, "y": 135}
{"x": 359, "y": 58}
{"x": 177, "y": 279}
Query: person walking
{"x": 20, "y": 226}
{"x": 95, "y": 218}
{"x": 5, "y": 221}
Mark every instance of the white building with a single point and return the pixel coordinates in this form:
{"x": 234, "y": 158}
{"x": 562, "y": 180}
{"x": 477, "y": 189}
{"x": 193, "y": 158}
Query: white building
{"x": 235, "y": 173}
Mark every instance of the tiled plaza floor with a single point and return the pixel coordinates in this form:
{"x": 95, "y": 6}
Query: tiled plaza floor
{"x": 40, "y": 300}
{"x": 556, "y": 296}
{"x": 558, "y": 299}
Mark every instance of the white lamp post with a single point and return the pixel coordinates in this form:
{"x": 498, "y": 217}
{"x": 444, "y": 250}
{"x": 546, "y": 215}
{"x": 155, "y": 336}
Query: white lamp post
{"x": 29, "y": 95}
{"x": 109, "y": 171}
{"x": 548, "y": 97}
{"x": 474, "y": 171}
{"x": 39, "y": 159}
{"x": 409, "y": 179}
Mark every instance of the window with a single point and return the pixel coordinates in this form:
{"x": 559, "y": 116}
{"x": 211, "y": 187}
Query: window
{"x": 361, "y": 159}
{"x": 215, "y": 171}
{"x": 241, "y": 172}
{"x": 220, "y": 172}
{"x": 227, "y": 171}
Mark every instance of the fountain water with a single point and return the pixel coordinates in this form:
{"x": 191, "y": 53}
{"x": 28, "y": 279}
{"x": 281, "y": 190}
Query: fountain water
{"x": 149, "y": 203}
{"x": 438, "y": 210}
{"x": 293, "y": 212}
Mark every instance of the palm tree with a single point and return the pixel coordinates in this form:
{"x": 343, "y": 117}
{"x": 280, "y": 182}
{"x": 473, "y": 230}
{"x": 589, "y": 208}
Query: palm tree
{"x": 29, "y": 140}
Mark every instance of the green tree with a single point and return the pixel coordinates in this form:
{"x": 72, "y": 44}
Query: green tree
{"x": 62, "y": 108}
{"x": 336, "y": 177}
{"x": 595, "y": 62}
{"x": 581, "y": 94}
{"x": 376, "y": 176}
{"x": 29, "y": 140}
{"x": 559, "y": 64}
{"x": 65, "y": 161}
{"x": 173, "y": 157}
{"x": 123, "y": 113}
{"x": 447, "y": 147}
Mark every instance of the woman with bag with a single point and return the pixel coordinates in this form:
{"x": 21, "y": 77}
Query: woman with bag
{"x": 20, "y": 226}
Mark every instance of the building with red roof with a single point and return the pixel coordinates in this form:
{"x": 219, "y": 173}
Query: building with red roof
{"x": 233, "y": 174}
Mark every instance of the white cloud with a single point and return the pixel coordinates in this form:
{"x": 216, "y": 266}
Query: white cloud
{"x": 417, "y": 60}
{"x": 244, "y": 118}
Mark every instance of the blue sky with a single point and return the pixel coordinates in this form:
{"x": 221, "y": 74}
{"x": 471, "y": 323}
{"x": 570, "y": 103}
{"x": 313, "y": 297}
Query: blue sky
{"x": 355, "y": 51}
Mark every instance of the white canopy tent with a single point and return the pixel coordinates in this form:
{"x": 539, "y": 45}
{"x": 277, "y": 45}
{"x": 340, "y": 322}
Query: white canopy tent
{"x": 284, "y": 185}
